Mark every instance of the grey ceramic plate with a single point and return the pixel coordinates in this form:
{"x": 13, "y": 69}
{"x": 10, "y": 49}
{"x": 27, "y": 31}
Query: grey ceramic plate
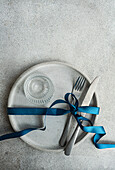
{"x": 63, "y": 76}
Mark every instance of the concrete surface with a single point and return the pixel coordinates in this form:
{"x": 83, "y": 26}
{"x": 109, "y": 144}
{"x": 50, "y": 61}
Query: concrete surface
{"x": 79, "y": 32}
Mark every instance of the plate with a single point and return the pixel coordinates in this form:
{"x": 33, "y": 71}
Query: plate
{"x": 63, "y": 77}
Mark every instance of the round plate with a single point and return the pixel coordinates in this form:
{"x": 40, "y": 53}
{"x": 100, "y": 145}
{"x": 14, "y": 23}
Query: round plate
{"x": 63, "y": 77}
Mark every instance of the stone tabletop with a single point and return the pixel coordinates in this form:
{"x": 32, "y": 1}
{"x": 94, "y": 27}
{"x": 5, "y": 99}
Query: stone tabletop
{"x": 78, "y": 32}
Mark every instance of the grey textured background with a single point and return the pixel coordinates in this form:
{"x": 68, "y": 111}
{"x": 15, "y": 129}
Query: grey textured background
{"x": 80, "y": 32}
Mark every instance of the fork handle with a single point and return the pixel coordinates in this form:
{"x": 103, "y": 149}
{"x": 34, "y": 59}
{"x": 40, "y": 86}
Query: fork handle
{"x": 71, "y": 142}
{"x": 65, "y": 131}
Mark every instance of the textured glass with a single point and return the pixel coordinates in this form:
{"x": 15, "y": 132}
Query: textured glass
{"x": 38, "y": 88}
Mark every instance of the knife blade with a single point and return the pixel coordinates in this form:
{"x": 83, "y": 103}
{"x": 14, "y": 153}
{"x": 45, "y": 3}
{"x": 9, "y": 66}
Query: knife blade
{"x": 85, "y": 102}
{"x": 90, "y": 93}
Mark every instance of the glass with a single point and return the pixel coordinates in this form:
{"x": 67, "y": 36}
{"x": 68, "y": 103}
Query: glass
{"x": 38, "y": 88}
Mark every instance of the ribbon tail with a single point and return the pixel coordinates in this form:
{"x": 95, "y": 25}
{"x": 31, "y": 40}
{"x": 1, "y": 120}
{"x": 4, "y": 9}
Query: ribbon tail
{"x": 98, "y": 130}
{"x": 19, "y": 134}
{"x": 97, "y": 137}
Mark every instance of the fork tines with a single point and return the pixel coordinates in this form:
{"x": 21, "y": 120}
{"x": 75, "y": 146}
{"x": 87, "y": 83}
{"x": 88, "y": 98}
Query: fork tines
{"x": 79, "y": 83}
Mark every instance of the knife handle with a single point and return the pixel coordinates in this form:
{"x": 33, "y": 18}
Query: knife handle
{"x": 72, "y": 140}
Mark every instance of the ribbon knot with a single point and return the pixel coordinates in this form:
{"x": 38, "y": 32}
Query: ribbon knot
{"x": 73, "y": 107}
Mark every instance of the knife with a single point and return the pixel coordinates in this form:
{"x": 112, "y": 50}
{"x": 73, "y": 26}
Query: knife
{"x": 85, "y": 102}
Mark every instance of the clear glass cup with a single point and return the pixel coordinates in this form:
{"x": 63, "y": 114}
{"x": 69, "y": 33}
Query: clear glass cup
{"x": 38, "y": 88}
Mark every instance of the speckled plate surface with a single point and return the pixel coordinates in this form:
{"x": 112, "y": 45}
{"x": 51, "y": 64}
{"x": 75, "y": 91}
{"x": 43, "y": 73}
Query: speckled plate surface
{"x": 63, "y": 76}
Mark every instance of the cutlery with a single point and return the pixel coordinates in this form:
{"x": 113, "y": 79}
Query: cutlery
{"x": 77, "y": 87}
{"x": 85, "y": 102}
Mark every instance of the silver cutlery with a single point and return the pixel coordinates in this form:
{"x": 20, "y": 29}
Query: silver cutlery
{"x": 85, "y": 102}
{"x": 78, "y": 86}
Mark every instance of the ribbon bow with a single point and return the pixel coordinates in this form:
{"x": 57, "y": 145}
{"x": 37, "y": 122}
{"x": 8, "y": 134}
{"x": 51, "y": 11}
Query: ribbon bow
{"x": 73, "y": 108}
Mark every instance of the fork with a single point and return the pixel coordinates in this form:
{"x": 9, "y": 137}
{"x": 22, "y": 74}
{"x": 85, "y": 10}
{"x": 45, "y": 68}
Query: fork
{"x": 78, "y": 86}
{"x": 85, "y": 101}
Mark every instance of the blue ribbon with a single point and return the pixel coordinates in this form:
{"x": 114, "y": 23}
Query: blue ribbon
{"x": 73, "y": 108}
